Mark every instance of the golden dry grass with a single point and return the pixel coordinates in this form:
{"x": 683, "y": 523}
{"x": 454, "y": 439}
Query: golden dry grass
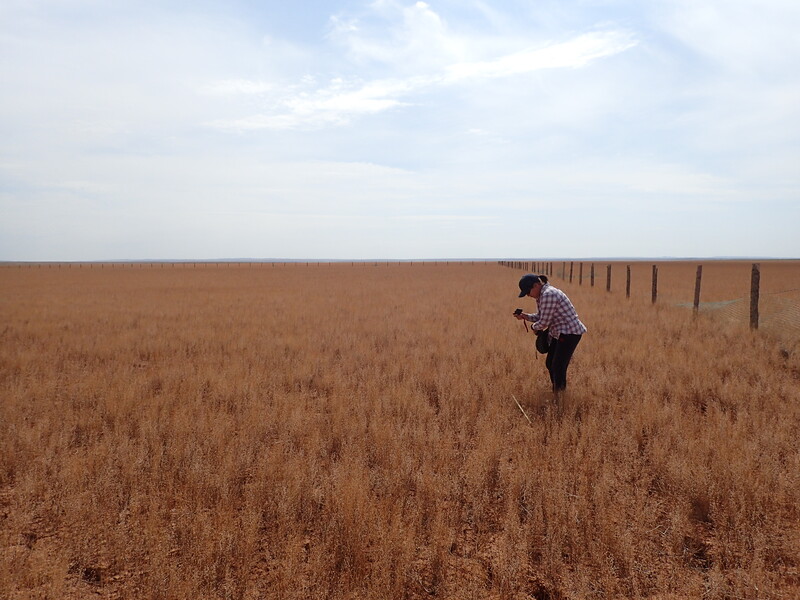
{"x": 340, "y": 431}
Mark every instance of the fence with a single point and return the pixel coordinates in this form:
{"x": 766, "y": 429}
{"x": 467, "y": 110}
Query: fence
{"x": 774, "y": 307}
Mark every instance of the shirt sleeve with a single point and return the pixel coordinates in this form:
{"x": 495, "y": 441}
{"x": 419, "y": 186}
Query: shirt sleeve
{"x": 547, "y": 309}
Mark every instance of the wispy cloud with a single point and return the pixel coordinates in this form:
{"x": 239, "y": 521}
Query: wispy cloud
{"x": 575, "y": 53}
{"x": 332, "y": 105}
{"x": 410, "y": 38}
{"x": 340, "y": 101}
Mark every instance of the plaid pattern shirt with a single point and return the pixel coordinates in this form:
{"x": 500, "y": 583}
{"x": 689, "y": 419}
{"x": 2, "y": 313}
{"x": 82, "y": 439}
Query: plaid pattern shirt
{"x": 556, "y": 313}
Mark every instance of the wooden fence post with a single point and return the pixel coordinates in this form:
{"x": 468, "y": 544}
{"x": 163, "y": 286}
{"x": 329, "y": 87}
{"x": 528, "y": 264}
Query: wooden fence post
{"x": 628, "y": 283}
{"x": 755, "y": 280}
{"x": 580, "y": 273}
{"x": 570, "y": 271}
{"x": 655, "y": 283}
{"x": 608, "y": 279}
{"x": 697, "y": 288}
{"x": 592, "y": 275}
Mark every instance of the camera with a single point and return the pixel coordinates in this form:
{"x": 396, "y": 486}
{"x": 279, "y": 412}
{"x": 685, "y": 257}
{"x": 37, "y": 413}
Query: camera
{"x": 518, "y": 311}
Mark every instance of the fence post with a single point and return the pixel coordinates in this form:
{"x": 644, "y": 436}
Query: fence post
{"x": 655, "y": 283}
{"x": 628, "y": 283}
{"x": 580, "y": 273}
{"x": 697, "y": 288}
{"x": 755, "y": 279}
{"x": 570, "y": 271}
{"x": 608, "y": 279}
{"x": 592, "y": 275}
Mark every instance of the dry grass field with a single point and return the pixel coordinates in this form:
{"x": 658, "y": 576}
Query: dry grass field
{"x": 350, "y": 432}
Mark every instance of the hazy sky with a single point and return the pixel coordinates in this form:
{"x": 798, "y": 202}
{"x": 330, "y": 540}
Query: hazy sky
{"x": 399, "y": 129}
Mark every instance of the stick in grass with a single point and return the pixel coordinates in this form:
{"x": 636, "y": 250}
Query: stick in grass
{"x": 520, "y": 407}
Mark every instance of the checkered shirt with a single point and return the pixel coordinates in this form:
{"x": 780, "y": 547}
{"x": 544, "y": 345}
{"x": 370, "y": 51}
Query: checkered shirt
{"x": 557, "y": 313}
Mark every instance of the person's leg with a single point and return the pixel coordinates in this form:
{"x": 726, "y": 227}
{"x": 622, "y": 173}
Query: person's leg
{"x": 565, "y": 348}
{"x": 551, "y": 353}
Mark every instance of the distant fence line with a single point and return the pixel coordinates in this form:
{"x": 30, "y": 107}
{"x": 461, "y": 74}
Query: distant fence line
{"x": 567, "y": 269}
{"x": 545, "y": 268}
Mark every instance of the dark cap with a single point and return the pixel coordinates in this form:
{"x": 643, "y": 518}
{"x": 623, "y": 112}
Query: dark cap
{"x": 526, "y": 283}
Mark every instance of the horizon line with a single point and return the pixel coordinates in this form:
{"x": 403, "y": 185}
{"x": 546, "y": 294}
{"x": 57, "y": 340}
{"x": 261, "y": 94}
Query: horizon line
{"x": 393, "y": 260}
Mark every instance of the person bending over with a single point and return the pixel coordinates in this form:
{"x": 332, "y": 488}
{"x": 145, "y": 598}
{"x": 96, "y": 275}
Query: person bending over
{"x": 556, "y": 314}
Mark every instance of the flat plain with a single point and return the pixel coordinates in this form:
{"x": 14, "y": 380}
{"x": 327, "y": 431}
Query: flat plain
{"x": 350, "y": 431}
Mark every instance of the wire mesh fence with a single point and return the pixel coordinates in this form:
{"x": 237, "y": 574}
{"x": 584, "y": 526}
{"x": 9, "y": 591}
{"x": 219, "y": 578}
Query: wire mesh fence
{"x": 779, "y": 312}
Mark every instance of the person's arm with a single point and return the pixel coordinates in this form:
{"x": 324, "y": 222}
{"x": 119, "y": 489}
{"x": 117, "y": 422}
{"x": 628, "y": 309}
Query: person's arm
{"x": 547, "y": 309}
{"x": 530, "y": 317}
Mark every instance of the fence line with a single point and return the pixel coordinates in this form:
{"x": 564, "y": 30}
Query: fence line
{"x": 761, "y": 309}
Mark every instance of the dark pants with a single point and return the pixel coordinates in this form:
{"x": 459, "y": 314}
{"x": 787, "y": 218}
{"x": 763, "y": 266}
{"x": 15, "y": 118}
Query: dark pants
{"x": 558, "y": 357}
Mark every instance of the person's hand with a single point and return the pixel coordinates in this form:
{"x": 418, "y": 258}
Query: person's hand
{"x": 520, "y": 316}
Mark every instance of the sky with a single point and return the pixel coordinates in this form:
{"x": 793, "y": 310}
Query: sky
{"x": 394, "y": 129}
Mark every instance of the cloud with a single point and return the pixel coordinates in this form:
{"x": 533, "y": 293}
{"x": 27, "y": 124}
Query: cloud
{"x": 341, "y": 101}
{"x": 574, "y": 53}
{"x": 335, "y": 104}
{"x": 405, "y": 37}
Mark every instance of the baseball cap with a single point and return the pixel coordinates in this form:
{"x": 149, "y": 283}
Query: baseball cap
{"x": 526, "y": 283}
